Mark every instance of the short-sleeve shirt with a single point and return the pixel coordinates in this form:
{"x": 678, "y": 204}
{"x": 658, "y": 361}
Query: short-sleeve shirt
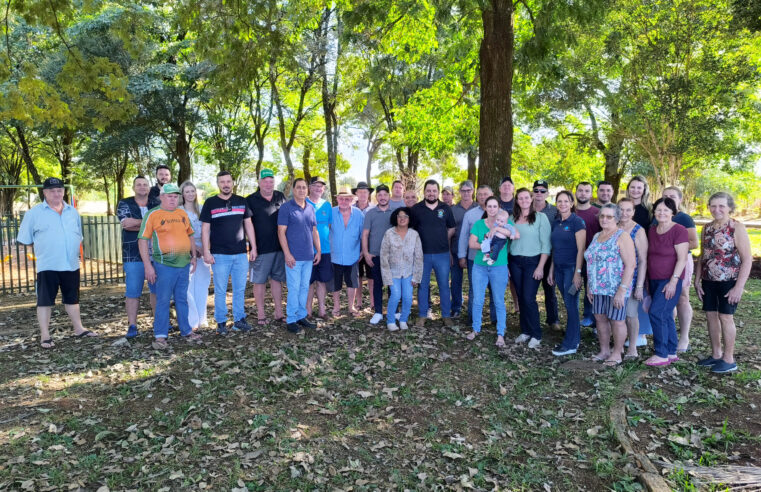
{"x": 432, "y": 226}
{"x": 170, "y": 234}
{"x": 507, "y": 206}
{"x": 323, "y": 212}
{"x": 226, "y": 234}
{"x": 592, "y": 223}
{"x": 642, "y": 216}
{"x": 661, "y": 255}
{"x": 393, "y": 204}
{"x": 345, "y": 239}
{"x": 563, "y": 239}
{"x": 550, "y": 210}
{"x": 459, "y": 214}
{"x": 377, "y": 221}
{"x": 264, "y": 217}
{"x": 299, "y": 222}
{"x": 129, "y": 209}
{"x": 56, "y": 237}
{"x": 480, "y": 229}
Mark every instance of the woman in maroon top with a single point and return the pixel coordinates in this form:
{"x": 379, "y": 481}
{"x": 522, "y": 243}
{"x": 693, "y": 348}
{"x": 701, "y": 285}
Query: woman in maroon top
{"x": 666, "y": 258}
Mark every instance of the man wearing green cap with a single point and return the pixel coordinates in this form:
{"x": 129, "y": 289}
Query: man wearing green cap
{"x": 269, "y": 264}
{"x": 168, "y": 229}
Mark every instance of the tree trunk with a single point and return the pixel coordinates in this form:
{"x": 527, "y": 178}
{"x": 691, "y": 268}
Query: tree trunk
{"x": 408, "y": 173}
{"x": 305, "y": 164}
{"x": 108, "y": 195}
{"x": 329, "y": 92}
{"x": 182, "y": 152}
{"x": 27, "y": 156}
{"x": 472, "y": 156}
{"x": 496, "y": 125}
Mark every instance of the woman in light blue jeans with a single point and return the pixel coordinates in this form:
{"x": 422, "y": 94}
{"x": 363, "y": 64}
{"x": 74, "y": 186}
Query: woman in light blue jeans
{"x": 496, "y": 274}
{"x": 401, "y": 261}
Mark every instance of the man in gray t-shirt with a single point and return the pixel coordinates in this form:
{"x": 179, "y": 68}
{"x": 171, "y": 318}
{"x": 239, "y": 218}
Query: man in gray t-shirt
{"x": 455, "y": 272}
{"x": 377, "y": 222}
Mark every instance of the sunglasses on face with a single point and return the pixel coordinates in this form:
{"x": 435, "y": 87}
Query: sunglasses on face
{"x": 539, "y": 190}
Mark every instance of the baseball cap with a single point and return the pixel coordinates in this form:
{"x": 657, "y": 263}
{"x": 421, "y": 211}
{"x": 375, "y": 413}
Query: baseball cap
{"x": 506, "y": 178}
{"x": 266, "y": 173}
{"x": 381, "y": 187}
{"x": 316, "y": 179}
{"x": 449, "y": 189}
{"x": 169, "y": 189}
{"x": 51, "y": 183}
{"x": 541, "y": 182}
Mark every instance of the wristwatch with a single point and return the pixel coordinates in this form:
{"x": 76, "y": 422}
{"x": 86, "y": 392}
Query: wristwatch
{"x": 578, "y": 270}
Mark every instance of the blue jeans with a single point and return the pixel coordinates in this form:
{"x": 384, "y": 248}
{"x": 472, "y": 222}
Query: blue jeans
{"x": 377, "y": 276}
{"x": 297, "y": 280}
{"x": 439, "y": 263}
{"x": 564, "y": 281}
{"x": 401, "y": 288}
{"x": 522, "y": 270}
{"x": 550, "y": 299}
{"x": 492, "y": 310}
{"x": 224, "y": 268}
{"x": 588, "y": 311}
{"x": 171, "y": 282}
{"x": 644, "y": 321}
{"x": 455, "y": 286}
{"x": 497, "y": 278}
{"x": 662, "y": 318}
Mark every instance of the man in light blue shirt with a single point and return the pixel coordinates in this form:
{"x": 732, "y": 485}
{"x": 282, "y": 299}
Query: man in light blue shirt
{"x": 345, "y": 235}
{"x": 55, "y": 229}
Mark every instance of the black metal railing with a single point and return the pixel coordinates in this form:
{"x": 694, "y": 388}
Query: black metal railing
{"x": 100, "y": 254}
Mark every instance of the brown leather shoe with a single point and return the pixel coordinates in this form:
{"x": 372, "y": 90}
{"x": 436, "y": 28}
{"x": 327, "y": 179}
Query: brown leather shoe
{"x": 420, "y": 323}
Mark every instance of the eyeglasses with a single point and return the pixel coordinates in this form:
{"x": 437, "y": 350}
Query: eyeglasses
{"x": 539, "y": 190}
{"x": 402, "y": 216}
{"x": 607, "y": 217}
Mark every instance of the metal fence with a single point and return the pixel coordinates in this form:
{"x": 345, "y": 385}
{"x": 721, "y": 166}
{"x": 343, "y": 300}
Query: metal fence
{"x": 100, "y": 254}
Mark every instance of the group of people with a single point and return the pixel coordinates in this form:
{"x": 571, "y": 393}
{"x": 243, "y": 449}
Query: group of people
{"x": 631, "y": 260}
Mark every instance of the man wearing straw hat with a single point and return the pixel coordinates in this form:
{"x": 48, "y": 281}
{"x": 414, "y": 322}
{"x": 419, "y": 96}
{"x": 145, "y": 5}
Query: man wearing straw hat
{"x": 345, "y": 235}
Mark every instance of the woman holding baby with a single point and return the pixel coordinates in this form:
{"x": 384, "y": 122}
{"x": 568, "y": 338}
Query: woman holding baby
{"x": 490, "y": 265}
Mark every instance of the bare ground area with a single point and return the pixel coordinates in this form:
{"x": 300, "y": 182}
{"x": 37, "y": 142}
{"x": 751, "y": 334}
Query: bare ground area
{"x": 351, "y": 406}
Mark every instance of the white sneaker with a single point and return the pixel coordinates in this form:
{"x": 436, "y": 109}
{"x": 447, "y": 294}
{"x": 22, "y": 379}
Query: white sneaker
{"x": 377, "y": 317}
{"x": 641, "y": 341}
{"x": 403, "y": 325}
{"x": 534, "y": 343}
{"x": 398, "y": 315}
{"x": 522, "y": 338}
{"x": 392, "y": 327}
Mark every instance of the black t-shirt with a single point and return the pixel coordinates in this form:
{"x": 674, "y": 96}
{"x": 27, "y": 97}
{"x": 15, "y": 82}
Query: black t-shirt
{"x": 154, "y": 192}
{"x": 642, "y": 216}
{"x": 227, "y": 236}
{"x": 507, "y": 206}
{"x": 264, "y": 216}
{"x": 432, "y": 226}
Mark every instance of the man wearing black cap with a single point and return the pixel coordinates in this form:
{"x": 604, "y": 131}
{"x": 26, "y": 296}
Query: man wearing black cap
{"x": 55, "y": 229}
{"x": 363, "y": 192}
{"x": 163, "y": 176}
{"x": 377, "y": 222}
{"x": 322, "y": 272}
{"x": 541, "y": 190}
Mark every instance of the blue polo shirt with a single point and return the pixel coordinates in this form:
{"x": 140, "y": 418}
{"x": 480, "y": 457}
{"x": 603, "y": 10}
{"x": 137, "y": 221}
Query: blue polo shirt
{"x": 345, "y": 240}
{"x": 323, "y": 212}
{"x": 56, "y": 237}
{"x": 563, "y": 239}
{"x": 300, "y": 222}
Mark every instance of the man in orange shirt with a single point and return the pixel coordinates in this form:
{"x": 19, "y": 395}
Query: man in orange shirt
{"x": 174, "y": 259}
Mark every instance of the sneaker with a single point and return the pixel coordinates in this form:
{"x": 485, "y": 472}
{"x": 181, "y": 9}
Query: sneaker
{"x": 403, "y": 325}
{"x": 306, "y": 323}
{"x": 587, "y": 322}
{"x": 560, "y": 351}
{"x": 293, "y": 327}
{"x": 642, "y": 341}
{"x": 242, "y": 325}
{"x": 721, "y": 367}
{"x": 131, "y": 331}
{"x": 222, "y": 329}
{"x": 522, "y": 338}
{"x": 534, "y": 343}
{"x": 398, "y": 315}
{"x": 448, "y": 322}
{"x": 377, "y": 317}
{"x": 392, "y": 327}
{"x": 708, "y": 362}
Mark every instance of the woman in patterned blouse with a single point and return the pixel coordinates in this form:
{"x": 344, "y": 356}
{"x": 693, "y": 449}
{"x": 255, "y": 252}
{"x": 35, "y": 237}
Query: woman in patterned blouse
{"x": 720, "y": 276}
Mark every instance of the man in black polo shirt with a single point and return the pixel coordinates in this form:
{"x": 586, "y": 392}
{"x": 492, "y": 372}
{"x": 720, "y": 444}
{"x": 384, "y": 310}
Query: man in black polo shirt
{"x": 225, "y": 217}
{"x": 435, "y": 223}
{"x": 163, "y": 176}
{"x": 269, "y": 263}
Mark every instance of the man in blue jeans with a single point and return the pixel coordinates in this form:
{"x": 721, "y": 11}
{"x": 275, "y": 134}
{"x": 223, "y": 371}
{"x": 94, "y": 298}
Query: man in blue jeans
{"x": 225, "y": 217}
{"x": 297, "y": 232}
{"x": 458, "y": 210}
{"x": 435, "y": 224}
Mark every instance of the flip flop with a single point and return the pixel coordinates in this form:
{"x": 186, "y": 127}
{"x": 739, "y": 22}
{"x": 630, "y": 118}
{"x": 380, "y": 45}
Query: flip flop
{"x": 262, "y": 322}
{"x": 86, "y": 333}
{"x": 599, "y": 359}
{"x": 612, "y": 363}
{"x": 658, "y": 364}
{"x": 48, "y": 342}
{"x": 673, "y": 359}
{"x": 684, "y": 350}
{"x": 631, "y": 357}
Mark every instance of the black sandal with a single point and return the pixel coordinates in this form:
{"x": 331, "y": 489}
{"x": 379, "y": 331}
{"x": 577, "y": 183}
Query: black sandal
{"x": 48, "y": 342}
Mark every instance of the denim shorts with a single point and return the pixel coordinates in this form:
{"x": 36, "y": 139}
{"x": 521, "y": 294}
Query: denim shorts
{"x": 134, "y": 273}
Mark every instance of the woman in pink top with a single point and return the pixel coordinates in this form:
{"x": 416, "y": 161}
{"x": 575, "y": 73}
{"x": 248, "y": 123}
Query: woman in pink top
{"x": 720, "y": 276}
{"x": 666, "y": 258}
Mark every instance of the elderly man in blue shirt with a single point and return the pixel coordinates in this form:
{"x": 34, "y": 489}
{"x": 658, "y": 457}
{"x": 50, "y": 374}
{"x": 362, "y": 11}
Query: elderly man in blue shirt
{"x": 55, "y": 229}
{"x": 345, "y": 237}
